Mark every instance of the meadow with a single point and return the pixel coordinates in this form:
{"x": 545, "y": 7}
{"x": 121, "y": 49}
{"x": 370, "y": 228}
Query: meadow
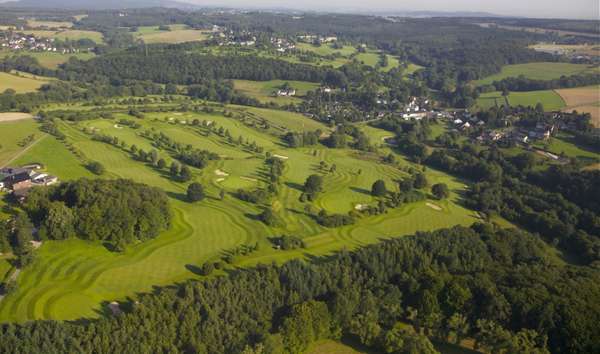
{"x": 177, "y": 34}
{"x": 73, "y": 279}
{"x": 49, "y": 24}
{"x": 264, "y": 90}
{"x": 551, "y": 100}
{"x": 538, "y": 71}
{"x": 65, "y": 34}
{"x": 50, "y": 60}
{"x": 20, "y": 83}
{"x": 12, "y": 134}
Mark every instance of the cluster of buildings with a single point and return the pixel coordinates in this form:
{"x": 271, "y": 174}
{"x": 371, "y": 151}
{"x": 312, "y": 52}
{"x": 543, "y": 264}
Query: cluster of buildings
{"x": 20, "y": 180}
{"x": 27, "y": 42}
{"x": 289, "y": 92}
{"x": 313, "y": 38}
{"x": 282, "y": 45}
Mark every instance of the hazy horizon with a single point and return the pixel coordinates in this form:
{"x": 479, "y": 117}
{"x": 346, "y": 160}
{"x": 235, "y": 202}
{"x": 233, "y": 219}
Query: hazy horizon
{"x": 576, "y": 9}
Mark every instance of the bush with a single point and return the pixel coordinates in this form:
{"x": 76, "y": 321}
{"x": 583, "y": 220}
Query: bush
{"x": 440, "y": 191}
{"x": 96, "y": 168}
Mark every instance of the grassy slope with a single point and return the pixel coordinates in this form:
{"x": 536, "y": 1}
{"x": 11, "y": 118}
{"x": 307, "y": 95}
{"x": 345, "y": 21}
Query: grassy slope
{"x": 11, "y": 134}
{"x": 21, "y": 84}
{"x": 549, "y": 98}
{"x": 70, "y": 279}
{"x": 263, "y": 90}
{"x": 538, "y": 71}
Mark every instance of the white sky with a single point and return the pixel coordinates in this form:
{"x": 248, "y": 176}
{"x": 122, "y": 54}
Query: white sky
{"x": 583, "y": 9}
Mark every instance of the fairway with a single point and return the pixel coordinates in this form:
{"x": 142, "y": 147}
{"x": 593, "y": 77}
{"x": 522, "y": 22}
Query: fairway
{"x": 551, "y": 100}
{"x": 538, "y": 71}
{"x": 264, "y": 91}
{"x": 70, "y": 279}
{"x": 20, "y": 83}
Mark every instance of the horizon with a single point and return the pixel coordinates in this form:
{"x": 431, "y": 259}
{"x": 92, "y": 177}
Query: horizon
{"x": 576, "y": 9}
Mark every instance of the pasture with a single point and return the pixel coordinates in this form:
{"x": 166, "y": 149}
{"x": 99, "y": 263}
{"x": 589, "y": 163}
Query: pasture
{"x": 69, "y": 34}
{"x": 326, "y": 49}
{"x": 71, "y": 279}
{"x": 12, "y": 135}
{"x": 264, "y": 91}
{"x": 538, "y": 71}
{"x": 52, "y": 60}
{"x": 584, "y": 100}
{"x": 551, "y": 100}
{"x": 49, "y": 24}
{"x": 20, "y": 83}
{"x": 177, "y": 34}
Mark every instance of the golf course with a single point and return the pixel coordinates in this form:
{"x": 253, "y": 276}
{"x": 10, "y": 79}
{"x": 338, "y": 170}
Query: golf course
{"x": 75, "y": 279}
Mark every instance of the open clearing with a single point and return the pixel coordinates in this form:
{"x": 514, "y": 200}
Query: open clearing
{"x": 177, "y": 34}
{"x": 264, "y": 91}
{"x": 12, "y": 116}
{"x": 70, "y": 279}
{"x": 568, "y": 49}
{"x": 13, "y": 133}
{"x": 551, "y": 100}
{"x": 20, "y": 84}
{"x": 583, "y": 99}
{"x": 49, "y": 24}
{"x": 538, "y": 71}
{"x": 69, "y": 34}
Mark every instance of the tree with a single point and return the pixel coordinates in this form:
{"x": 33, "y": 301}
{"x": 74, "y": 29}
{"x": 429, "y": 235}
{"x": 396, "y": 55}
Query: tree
{"x": 222, "y": 194}
{"x": 175, "y": 169}
{"x": 420, "y": 181}
{"x": 185, "y": 174}
{"x": 59, "y": 222}
{"x": 195, "y": 192}
{"x": 96, "y": 167}
{"x": 313, "y": 185}
{"x": 378, "y": 189}
{"x": 457, "y": 327}
{"x": 161, "y": 164}
{"x": 268, "y": 217}
{"x": 440, "y": 191}
{"x": 22, "y": 234}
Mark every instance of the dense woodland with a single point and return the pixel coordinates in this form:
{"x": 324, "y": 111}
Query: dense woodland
{"x": 501, "y": 287}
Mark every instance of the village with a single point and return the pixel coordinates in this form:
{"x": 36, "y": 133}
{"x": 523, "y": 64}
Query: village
{"x": 17, "y": 41}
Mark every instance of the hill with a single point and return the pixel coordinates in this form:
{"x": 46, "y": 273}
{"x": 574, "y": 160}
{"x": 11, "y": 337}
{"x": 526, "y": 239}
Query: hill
{"x": 96, "y": 5}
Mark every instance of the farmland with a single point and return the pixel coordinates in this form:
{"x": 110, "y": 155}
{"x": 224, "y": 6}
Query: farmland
{"x": 20, "y": 83}
{"x": 264, "y": 90}
{"x": 583, "y": 99}
{"x": 177, "y": 34}
{"x": 538, "y": 71}
{"x": 49, "y": 24}
{"x": 83, "y": 274}
{"x": 69, "y": 34}
{"x": 51, "y": 60}
{"x": 551, "y": 100}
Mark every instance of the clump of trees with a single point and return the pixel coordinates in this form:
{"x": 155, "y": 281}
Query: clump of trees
{"x": 312, "y": 187}
{"x": 114, "y": 211}
{"x": 195, "y": 192}
{"x": 440, "y": 191}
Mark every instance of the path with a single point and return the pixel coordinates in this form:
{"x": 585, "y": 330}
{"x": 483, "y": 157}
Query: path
{"x": 23, "y": 151}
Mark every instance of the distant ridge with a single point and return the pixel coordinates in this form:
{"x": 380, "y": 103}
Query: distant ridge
{"x": 97, "y": 4}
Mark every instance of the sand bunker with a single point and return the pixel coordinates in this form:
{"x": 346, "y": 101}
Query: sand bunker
{"x": 221, "y": 173}
{"x": 434, "y": 207}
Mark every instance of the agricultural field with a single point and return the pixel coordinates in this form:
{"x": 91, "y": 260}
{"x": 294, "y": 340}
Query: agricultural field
{"x": 49, "y": 24}
{"x": 551, "y": 100}
{"x": 583, "y": 99}
{"x": 264, "y": 90}
{"x": 177, "y": 34}
{"x": 538, "y": 71}
{"x": 326, "y": 49}
{"x": 20, "y": 83}
{"x": 14, "y": 134}
{"x": 69, "y": 34}
{"x": 568, "y": 49}
{"x": 71, "y": 279}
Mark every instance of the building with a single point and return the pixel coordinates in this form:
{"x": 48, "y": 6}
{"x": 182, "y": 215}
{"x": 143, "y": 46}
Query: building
{"x": 20, "y": 180}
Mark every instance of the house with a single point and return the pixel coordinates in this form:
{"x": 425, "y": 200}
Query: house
{"x": 286, "y": 93}
{"x": 20, "y": 180}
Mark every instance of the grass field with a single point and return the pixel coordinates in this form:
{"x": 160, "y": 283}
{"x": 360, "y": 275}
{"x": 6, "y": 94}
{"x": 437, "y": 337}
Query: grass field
{"x": 326, "y": 49}
{"x": 584, "y": 100}
{"x": 568, "y": 49}
{"x": 70, "y": 279}
{"x": 12, "y": 134}
{"x": 51, "y": 60}
{"x": 49, "y": 24}
{"x": 538, "y": 71}
{"x": 564, "y": 143}
{"x": 263, "y": 90}
{"x": 19, "y": 83}
{"x": 67, "y": 34}
{"x": 551, "y": 100}
{"x": 177, "y": 34}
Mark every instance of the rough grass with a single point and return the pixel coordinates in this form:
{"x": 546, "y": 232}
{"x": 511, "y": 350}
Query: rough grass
{"x": 263, "y": 90}
{"x": 19, "y": 83}
{"x": 537, "y": 71}
{"x": 70, "y": 279}
{"x": 548, "y": 98}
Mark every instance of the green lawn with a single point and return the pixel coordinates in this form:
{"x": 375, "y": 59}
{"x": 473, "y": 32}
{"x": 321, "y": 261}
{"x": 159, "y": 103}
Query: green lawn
{"x": 564, "y": 143}
{"x": 548, "y": 98}
{"x": 537, "y": 71}
{"x": 263, "y": 90}
{"x": 70, "y": 279}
